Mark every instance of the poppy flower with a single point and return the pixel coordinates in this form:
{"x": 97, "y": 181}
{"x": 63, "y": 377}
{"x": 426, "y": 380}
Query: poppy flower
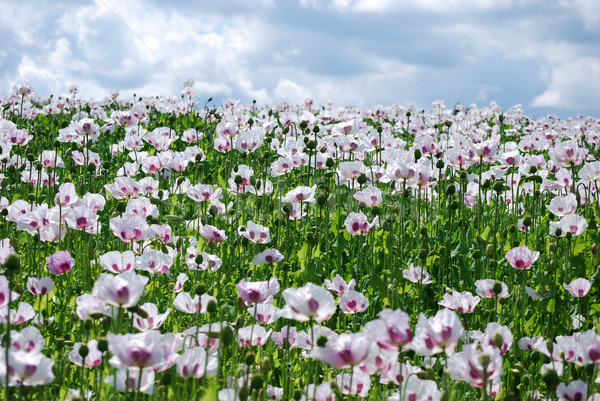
{"x": 308, "y": 302}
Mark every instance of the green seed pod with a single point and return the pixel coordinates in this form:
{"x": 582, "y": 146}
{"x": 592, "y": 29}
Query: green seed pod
{"x": 551, "y": 379}
{"x": 12, "y": 265}
{"x": 84, "y": 351}
{"x": 497, "y": 288}
{"x": 439, "y": 164}
{"x": 121, "y": 207}
{"x": 102, "y": 344}
{"x": 250, "y": 358}
{"x": 450, "y": 189}
{"x": 321, "y": 341}
{"x": 498, "y": 340}
{"x": 297, "y": 394}
{"x": 418, "y": 154}
{"x": 211, "y": 307}
{"x": 200, "y": 289}
{"x": 454, "y": 205}
{"x": 362, "y": 179}
{"x": 257, "y": 381}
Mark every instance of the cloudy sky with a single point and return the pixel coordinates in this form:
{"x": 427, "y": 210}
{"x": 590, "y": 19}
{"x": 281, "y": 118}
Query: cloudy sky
{"x": 543, "y": 54}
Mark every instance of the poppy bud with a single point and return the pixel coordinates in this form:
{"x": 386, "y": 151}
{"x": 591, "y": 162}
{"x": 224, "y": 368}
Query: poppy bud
{"x": 454, "y": 205}
{"x": 489, "y": 250}
{"x": 243, "y": 393}
{"x": 226, "y": 335}
{"x": 265, "y": 366}
{"x": 450, "y": 190}
{"x": 139, "y": 311}
{"x": 550, "y": 346}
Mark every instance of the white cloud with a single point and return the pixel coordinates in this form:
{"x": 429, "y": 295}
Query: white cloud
{"x": 361, "y": 52}
{"x": 290, "y": 91}
{"x": 589, "y": 11}
{"x": 573, "y": 85}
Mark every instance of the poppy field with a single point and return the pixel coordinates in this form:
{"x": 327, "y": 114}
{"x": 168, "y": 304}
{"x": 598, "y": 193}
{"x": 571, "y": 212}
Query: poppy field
{"x": 166, "y": 249}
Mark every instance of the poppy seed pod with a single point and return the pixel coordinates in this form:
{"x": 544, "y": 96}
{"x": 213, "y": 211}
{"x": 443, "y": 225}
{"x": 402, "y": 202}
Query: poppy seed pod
{"x": 200, "y": 289}
{"x": 102, "y": 344}
{"x": 551, "y": 379}
{"x": 257, "y": 381}
{"x": 250, "y": 358}
{"x": 12, "y": 264}
{"x": 84, "y": 351}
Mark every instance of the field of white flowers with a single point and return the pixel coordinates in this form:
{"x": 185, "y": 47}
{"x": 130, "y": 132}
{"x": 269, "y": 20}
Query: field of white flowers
{"x": 156, "y": 249}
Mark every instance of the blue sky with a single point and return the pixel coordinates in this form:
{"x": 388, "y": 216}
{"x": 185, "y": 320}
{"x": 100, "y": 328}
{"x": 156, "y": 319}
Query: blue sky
{"x": 542, "y": 54}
